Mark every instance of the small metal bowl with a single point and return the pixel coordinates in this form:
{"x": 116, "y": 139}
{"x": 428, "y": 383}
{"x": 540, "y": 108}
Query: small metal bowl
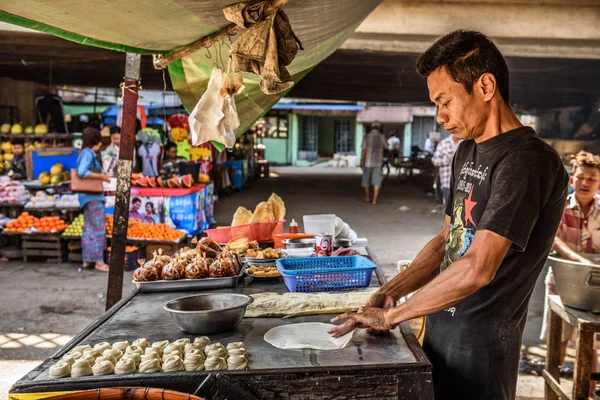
{"x": 342, "y": 242}
{"x": 299, "y": 243}
{"x": 205, "y": 314}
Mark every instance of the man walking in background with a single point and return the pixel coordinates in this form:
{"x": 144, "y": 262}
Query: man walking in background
{"x": 442, "y": 158}
{"x": 371, "y": 158}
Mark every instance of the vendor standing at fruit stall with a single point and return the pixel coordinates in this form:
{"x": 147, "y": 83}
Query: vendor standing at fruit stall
{"x": 170, "y": 164}
{"x": 93, "y": 238}
{"x": 110, "y": 155}
{"x": 18, "y": 168}
{"x": 474, "y": 280}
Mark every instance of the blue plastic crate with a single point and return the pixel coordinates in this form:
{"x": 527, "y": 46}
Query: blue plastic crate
{"x": 322, "y": 274}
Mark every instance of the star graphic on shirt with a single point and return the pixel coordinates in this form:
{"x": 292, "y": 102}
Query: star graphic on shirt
{"x": 469, "y": 206}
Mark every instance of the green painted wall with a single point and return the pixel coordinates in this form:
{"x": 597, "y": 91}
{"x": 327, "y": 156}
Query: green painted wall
{"x": 276, "y": 151}
{"x": 407, "y": 140}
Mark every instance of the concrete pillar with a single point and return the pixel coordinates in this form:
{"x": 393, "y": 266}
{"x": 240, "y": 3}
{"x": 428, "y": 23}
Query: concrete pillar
{"x": 360, "y": 134}
{"x": 407, "y": 141}
{"x": 293, "y": 138}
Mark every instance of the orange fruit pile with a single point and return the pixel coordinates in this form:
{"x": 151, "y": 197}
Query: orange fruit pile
{"x": 50, "y": 224}
{"x": 22, "y": 223}
{"x": 109, "y": 224}
{"x": 153, "y": 231}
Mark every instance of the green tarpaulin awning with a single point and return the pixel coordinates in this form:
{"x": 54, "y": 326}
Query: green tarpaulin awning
{"x": 164, "y": 26}
{"x": 79, "y": 109}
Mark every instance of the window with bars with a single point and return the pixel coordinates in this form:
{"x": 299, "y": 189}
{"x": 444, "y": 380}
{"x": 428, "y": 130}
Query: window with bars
{"x": 344, "y": 136}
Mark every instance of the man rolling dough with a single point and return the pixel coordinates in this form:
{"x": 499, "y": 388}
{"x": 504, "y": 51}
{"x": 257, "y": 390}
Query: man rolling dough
{"x": 507, "y": 194}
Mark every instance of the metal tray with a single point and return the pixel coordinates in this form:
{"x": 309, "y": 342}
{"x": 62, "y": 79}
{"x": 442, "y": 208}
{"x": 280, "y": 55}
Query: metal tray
{"x": 189, "y": 284}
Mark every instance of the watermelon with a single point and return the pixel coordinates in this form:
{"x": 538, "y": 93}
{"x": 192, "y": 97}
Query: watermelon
{"x": 187, "y": 181}
{"x": 142, "y": 181}
{"x": 151, "y": 182}
{"x": 159, "y": 181}
{"x": 173, "y": 183}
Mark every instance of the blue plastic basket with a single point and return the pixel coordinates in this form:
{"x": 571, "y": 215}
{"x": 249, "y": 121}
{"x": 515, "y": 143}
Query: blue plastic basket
{"x": 322, "y": 274}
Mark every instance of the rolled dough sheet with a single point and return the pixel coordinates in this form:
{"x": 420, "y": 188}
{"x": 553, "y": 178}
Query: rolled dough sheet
{"x": 306, "y": 335}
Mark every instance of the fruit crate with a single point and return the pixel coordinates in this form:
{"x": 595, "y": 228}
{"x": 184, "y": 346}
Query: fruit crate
{"x": 10, "y": 245}
{"x": 74, "y": 247}
{"x": 47, "y": 245}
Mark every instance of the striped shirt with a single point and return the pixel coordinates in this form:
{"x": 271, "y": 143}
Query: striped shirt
{"x": 442, "y": 158}
{"x": 581, "y": 232}
{"x": 374, "y": 144}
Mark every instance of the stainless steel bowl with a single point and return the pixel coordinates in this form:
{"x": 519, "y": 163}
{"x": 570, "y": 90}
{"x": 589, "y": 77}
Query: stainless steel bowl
{"x": 299, "y": 243}
{"x": 205, "y": 314}
{"x": 578, "y": 284}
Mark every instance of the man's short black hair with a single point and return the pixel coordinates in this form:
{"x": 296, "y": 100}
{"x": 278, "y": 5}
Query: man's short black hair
{"x": 466, "y": 55}
{"x": 169, "y": 146}
{"x": 18, "y": 142}
{"x": 136, "y": 200}
{"x": 114, "y": 129}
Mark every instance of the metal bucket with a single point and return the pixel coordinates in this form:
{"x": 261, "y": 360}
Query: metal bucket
{"x": 578, "y": 284}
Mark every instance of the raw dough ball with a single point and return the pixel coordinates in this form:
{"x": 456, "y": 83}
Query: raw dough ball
{"x": 92, "y": 353}
{"x": 182, "y": 342}
{"x": 150, "y": 366}
{"x": 71, "y": 358}
{"x": 135, "y": 357}
{"x": 113, "y": 355}
{"x": 125, "y": 366}
{"x": 80, "y": 349}
{"x": 60, "y": 370}
{"x": 171, "y": 348}
{"x": 160, "y": 346}
{"x": 121, "y": 346}
{"x": 173, "y": 353}
{"x": 192, "y": 346}
{"x": 194, "y": 362}
{"x": 236, "y": 345}
{"x": 142, "y": 342}
{"x": 152, "y": 350}
{"x": 91, "y": 360}
{"x": 81, "y": 368}
{"x": 236, "y": 352}
{"x": 134, "y": 349}
{"x": 237, "y": 362}
{"x": 103, "y": 367}
{"x": 102, "y": 346}
{"x": 215, "y": 363}
{"x": 202, "y": 340}
{"x": 173, "y": 364}
{"x": 150, "y": 356}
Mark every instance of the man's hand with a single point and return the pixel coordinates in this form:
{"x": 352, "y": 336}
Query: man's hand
{"x": 377, "y": 300}
{"x": 376, "y": 319}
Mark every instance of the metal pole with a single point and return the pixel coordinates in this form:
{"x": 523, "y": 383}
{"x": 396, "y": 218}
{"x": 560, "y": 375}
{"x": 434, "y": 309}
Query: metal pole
{"x": 119, "y": 239}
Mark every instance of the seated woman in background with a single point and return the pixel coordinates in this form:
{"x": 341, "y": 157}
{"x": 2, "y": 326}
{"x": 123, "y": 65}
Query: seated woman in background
{"x": 578, "y": 232}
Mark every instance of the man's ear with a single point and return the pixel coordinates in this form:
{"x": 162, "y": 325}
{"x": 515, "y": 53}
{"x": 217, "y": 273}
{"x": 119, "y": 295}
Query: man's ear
{"x": 486, "y": 85}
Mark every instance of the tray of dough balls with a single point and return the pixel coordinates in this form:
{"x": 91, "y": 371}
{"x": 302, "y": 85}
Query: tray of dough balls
{"x": 141, "y": 357}
{"x": 207, "y": 266}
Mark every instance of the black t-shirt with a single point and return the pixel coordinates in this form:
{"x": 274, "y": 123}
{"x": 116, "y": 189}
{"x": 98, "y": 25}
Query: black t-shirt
{"x": 514, "y": 185}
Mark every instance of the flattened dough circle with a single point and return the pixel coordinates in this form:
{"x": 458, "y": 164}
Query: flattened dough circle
{"x": 306, "y": 335}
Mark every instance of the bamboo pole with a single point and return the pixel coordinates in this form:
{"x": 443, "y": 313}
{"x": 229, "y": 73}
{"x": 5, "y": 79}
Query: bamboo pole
{"x": 161, "y": 62}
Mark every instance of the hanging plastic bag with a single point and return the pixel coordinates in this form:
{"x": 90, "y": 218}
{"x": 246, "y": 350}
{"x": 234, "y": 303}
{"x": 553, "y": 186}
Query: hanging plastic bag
{"x": 215, "y": 116}
{"x": 208, "y": 113}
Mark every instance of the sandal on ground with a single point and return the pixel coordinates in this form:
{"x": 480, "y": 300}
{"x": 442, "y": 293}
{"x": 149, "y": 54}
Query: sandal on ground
{"x": 87, "y": 265}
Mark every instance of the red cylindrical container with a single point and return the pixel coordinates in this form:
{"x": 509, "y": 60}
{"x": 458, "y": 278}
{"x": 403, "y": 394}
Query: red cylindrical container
{"x": 324, "y": 245}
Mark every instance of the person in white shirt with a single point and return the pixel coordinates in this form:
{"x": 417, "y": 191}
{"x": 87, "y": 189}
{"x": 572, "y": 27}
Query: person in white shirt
{"x": 110, "y": 155}
{"x": 393, "y": 151}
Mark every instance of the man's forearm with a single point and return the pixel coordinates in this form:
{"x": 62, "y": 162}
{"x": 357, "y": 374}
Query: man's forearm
{"x": 461, "y": 279}
{"x": 422, "y": 269}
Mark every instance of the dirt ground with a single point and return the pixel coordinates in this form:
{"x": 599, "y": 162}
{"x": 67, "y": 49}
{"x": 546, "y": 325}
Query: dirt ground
{"x": 46, "y": 304}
